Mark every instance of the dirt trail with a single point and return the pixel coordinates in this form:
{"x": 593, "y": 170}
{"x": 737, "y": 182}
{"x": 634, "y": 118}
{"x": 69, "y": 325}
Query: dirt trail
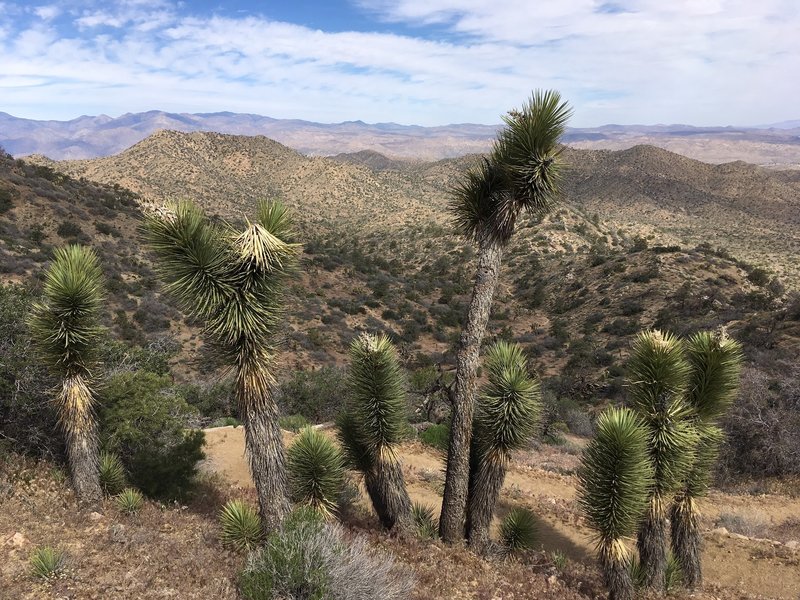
{"x": 731, "y": 562}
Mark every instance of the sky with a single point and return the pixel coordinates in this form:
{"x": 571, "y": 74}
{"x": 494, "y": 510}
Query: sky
{"x": 423, "y": 62}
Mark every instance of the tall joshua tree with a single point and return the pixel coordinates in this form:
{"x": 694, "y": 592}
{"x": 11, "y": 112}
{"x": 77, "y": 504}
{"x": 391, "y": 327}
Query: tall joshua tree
{"x": 507, "y": 414}
{"x": 658, "y": 378}
{"x": 371, "y": 426}
{"x": 520, "y": 175}
{"x": 233, "y": 280}
{"x": 615, "y": 479}
{"x": 66, "y": 328}
{"x": 715, "y": 363}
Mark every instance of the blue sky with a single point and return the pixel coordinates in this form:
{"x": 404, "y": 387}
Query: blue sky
{"x": 426, "y": 62}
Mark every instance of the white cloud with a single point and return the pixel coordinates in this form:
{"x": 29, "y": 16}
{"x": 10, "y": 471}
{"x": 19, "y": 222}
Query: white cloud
{"x": 700, "y": 61}
{"x": 47, "y": 12}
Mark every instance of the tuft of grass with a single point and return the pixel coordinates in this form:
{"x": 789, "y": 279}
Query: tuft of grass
{"x": 47, "y": 562}
{"x": 518, "y": 530}
{"x": 112, "y": 474}
{"x": 241, "y": 525}
{"x": 425, "y": 521}
{"x": 673, "y": 575}
{"x": 559, "y": 559}
{"x": 130, "y": 501}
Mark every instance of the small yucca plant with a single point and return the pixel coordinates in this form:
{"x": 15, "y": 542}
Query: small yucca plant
{"x": 130, "y": 501}
{"x": 658, "y": 379}
{"x": 47, "y": 562}
{"x": 373, "y": 423}
{"x": 506, "y": 417}
{"x": 518, "y": 530}
{"x": 316, "y": 471}
{"x": 615, "y": 480}
{"x": 112, "y": 474}
{"x": 241, "y": 525}
{"x": 715, "y": 363}
{"x": 66, "y": 327}
{"x": 425, "y": 521}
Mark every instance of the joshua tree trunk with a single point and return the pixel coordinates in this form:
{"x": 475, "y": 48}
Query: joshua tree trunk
{"x": 652, "y": 544}
{"x": 263, "y": 444}
{"x": 388, "y": 493}
{"x": 614, "y": 563}
{"x": 81, "y": 438}
{"x": 686, "y": 540}
{"x": 484, "y": 490}
{"x": 451, "y": 524}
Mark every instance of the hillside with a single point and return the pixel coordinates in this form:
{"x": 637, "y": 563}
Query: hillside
{"x": 643, "y": 237}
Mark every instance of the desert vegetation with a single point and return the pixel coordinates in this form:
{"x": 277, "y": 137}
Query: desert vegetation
{"x": 367, "y": 350}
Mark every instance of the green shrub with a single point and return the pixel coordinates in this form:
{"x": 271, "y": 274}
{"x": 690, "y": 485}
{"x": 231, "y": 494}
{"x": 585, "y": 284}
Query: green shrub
{"x": 112, "y": 474}
{"x": 518, "y": 530}
{"x": 47, "y": 562}
{"x": 241, "y": 525}
{"x": 436, "y": 436}
{"x": 311, "y": 560}
{"x": 142, "y": 420}
{"x": 130, "y": 501}
{"x": 317, "y": 395}
{"x": 6, "y": 200}
{"x": 68, "y": 229}
{"x": 293, "y": 423}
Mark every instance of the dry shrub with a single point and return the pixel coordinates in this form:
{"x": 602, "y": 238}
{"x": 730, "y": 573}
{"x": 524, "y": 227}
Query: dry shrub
{"x": 308, "y": 559}
{"x": 763, "y": 427}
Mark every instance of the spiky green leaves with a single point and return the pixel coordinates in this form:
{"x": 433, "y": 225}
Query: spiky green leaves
{"x": 241, "y": 525}
{"x": 231, "y": 280}
{"x": 709, "y": 441}
{"x": 658, "y": 379}
{"x": 518, "y": 531}
{"x": 510, "y": 403}
{"x": 66, "y": 325}
{"x": 715, "y": 363}
{"x": 522, "y": 173}
{"x": 376, "y": 413}
{"x": 616, "y": 476}
{"x": 316, "y": 471}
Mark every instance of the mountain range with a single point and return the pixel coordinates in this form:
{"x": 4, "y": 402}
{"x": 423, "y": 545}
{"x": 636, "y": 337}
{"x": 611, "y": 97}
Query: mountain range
{"x": 776, "y": 145}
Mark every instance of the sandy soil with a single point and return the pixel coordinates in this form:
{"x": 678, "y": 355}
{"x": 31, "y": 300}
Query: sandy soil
{"x": 733, "y": 563}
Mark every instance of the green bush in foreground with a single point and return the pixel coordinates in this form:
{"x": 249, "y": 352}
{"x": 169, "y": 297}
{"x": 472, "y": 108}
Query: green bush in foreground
{"x": 425, "y": 521}
{"x": 142, "y": 420}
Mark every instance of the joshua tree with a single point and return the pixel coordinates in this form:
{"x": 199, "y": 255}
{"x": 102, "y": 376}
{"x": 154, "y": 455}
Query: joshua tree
{"x": 316, "y": 471}
{"x": 615, "y": 478}
{"x": 372, "y": 424}
{"x": 233, "y": 281}
{"x": 507, "y": 414}
{"x": 520, "y": 175}
{"x": 658, "y": 378}
{"x": 66, "y": 329}
{"x": 715, "y": 362}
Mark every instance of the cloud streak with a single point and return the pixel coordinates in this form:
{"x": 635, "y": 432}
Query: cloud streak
{"x": 692, "y": 61}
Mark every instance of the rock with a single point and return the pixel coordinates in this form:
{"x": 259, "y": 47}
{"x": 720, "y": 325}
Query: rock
{"x": 552, "y": 580}
{"x": 17, "y": 540}
{"x": 719, "y": 531}
{"x": 95, "y": 516}
{"x": 793, "y": 545}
